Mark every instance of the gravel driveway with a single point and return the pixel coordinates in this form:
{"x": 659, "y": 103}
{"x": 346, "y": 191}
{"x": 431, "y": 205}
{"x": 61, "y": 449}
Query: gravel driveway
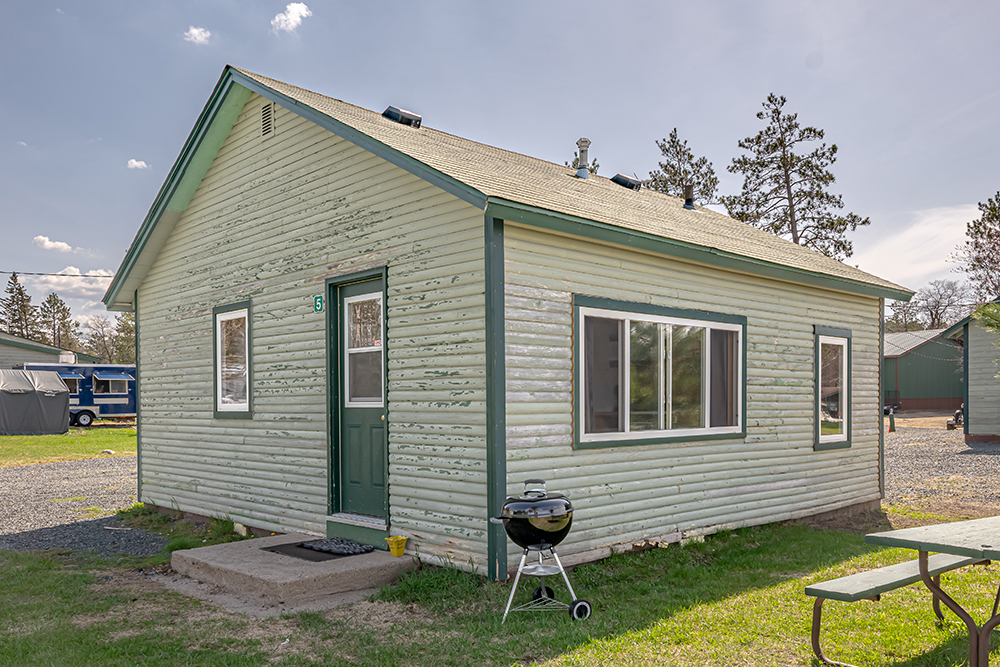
{"x": 936, "y": 464}
{"x": 71, "y": 506}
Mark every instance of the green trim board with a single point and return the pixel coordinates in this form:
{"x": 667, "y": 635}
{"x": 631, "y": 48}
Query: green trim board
{"x": 832, "y": 332}
{"x": 334, "y": 379}
{"x": 881, "y": 393}
{"x": 138, "y": 404}
{"x": 585, "y": 301}
{"x": 581, "y": 227}
{"x": 966, "y": 408}
{"x": 496, "y": 393}
{"x": 226, "y": 414}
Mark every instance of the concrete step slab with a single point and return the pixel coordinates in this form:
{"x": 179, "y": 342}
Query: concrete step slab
{"x": 245, "y": 569}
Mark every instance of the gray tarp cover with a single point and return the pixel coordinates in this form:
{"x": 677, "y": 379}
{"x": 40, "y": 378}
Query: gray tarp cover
{"x": 33, "y": 403}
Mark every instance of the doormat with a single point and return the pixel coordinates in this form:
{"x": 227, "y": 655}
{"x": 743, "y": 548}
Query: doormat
{"x": 321, "y": 550}
{"x": 339, "y": 546}
{"x": 297, "y": 551}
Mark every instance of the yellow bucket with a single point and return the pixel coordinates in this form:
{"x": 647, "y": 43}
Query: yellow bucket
{"x": 397, "y": 543}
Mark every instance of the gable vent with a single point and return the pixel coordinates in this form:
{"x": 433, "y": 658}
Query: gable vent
{"x": 402, "y": 117}
{"x": 267, "y": 120}
{"x": 627, "y": 182}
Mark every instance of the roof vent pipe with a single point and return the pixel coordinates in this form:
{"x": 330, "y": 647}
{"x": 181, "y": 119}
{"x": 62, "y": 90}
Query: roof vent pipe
{"x": 584, "y": 160}
{"x": 689, "y": 197}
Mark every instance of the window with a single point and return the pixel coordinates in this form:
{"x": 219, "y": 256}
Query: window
{"x": 363, "y": 384}
{"x": 648, "y": 374}
{"x": 232, "y": 361}
{"x": 833, "y": 367}
{"x": 72, "y": 381}
{"x": 109, "y": 386}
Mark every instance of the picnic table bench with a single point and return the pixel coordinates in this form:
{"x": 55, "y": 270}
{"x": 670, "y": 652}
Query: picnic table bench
{"x": 871, "y": 584}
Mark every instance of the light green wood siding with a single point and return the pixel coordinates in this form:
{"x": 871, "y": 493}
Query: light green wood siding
{"x": 271, "y": 221}
{"x": 984, "y": 388}
{"x": 10, "y": 355}
{"x": 627, "y": 494}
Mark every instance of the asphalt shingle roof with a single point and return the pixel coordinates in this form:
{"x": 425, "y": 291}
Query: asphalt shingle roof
{"x": 506, "y": 175}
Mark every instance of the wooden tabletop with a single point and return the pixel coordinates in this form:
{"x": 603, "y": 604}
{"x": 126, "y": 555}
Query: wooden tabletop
{"x": 978, "y": 538}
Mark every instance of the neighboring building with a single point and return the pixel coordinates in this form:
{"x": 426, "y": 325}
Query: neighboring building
{"x": 982, "y": 397}
{"x": 351, "y": 326}
{"x": 922, "y": 371}
{"x": 15, "y": 350}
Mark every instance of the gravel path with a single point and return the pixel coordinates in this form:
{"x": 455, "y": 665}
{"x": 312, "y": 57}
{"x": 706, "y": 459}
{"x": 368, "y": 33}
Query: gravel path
{"x": 924, "y": 463}
{"x": 71, "y": 506}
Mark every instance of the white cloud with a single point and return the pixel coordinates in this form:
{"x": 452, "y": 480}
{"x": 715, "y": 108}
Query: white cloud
{"x": 60, "y": 11}
{"x": 291, "y": 18}
{"x": 44, "y": 243}
{"x": 20, "y": 143}
{"x": 197, "y": 35}
{"x": 72, "y": 285}
{"x": 137, "y": 164}
{"x": 918, "y": 253}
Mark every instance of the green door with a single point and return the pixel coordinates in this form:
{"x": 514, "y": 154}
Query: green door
{"x": 361, "y": 441}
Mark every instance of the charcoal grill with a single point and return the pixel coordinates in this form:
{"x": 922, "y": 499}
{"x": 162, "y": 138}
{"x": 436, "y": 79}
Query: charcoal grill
{"x": 537, "y": 521}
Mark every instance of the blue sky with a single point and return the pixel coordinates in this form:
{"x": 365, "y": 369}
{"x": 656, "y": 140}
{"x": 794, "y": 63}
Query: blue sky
{"x": 97, "y": 98}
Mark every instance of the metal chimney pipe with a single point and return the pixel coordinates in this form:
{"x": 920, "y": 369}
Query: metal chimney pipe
{"x": 689, "y": 197}
{"x": 583, "y": 171}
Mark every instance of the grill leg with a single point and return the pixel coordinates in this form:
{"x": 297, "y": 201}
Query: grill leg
{"x": 513, "y": 589}
{"x": 572, "y": 595}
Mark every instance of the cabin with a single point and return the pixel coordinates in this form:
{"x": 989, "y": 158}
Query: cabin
{"x": 922, "y": 370}
{"x": 981, "y": 363}
{"x": 15, "y": 350}
{"x": 352, "y": 324}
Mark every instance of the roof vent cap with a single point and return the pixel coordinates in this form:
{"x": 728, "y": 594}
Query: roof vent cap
{"x": 627, "y": 181}
{"x": 583, "y": 160}
{"x": 402, "y": 117}
{"x": 689, "y": 197}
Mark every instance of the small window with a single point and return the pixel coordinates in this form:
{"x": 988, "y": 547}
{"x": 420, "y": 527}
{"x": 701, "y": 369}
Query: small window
{"x": 73, "y": 384}
{"x": 363, "y": 363}
{"x": 109, "y": 386}
{"x": 232, "y": 361}
{"x": 833, "y": 368}
{"x": 657, "y": 374}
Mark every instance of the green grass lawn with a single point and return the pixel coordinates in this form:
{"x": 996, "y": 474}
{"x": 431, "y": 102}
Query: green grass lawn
{"x": 736, "y": 598}
{"x": 79, "y": 443}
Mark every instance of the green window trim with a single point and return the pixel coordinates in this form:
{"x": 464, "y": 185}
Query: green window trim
{"x": 220, "y": 314}
{"x": 839, "y": 337}
{"x": 584, "y": 306}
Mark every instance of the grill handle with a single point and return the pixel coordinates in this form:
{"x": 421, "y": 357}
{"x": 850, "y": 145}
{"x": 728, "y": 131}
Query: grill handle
{"x": 535, "y": 483}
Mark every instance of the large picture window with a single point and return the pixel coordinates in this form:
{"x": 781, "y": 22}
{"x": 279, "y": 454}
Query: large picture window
{"x": 833, "y": 367}
{"x": 232, "y": 361}
{"x": 657, "y": 373}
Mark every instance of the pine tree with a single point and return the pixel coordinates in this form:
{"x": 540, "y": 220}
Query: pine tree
{"x": 981, "y": 251}
{"x": 99, "y": 340}
{"x": 124, "y": 338}
{"x": 784, "y": 192}
{"x": 20, "y": 318}
{"x": 56, "y": 323}
{"x": 680, "y": 168}
{"x": 592, "y": 167}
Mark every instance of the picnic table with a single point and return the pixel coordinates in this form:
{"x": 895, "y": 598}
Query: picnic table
{"x": 978, "y": 538}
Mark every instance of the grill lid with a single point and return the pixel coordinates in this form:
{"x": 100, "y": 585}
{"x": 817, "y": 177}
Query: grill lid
{"x": 535, "y": 502}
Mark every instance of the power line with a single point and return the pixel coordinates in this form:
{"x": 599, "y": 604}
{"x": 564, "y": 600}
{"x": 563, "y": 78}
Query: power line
{"x": 63, "y": 275}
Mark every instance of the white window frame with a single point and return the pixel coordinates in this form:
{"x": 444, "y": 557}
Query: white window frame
{"x": 625, "y": 370}
{"x": 219, "y": 351}
{"x": 345, "y": 314}
{"x": 845, "y": 392}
